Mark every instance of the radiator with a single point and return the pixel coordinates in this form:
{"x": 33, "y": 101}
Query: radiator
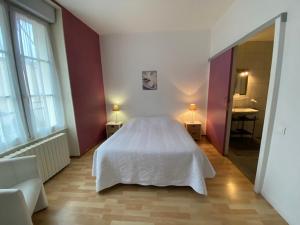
{"x": 52, "y": 155}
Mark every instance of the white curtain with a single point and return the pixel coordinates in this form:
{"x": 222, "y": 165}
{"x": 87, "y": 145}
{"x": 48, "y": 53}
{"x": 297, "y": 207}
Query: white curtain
{"x": 12, "y": 129}
{"x": 38, "y": 76}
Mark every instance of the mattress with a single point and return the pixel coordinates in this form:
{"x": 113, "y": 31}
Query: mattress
{"x": 151, "y": 151}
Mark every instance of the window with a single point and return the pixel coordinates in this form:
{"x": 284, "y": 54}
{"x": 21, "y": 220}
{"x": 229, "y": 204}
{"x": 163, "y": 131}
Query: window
{"x": 40, "y": 85}
{"x": 12, "y": 131}
{"x": 30, "y": 101}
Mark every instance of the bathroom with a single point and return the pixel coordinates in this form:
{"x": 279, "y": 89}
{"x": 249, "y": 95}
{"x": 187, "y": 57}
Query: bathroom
{"x": 251, "y": 73}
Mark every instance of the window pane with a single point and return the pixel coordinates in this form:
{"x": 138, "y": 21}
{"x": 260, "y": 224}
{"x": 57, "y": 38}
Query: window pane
{"x": 39, "y": 75}
{"x": 12, "y": 130}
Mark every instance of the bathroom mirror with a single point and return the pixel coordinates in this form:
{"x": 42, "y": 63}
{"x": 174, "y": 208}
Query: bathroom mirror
{"x": 241, "y": 82}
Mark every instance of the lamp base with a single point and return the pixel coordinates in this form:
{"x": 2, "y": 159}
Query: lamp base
{"x": 193, "y": 117}
{"x": 116, "y": 117}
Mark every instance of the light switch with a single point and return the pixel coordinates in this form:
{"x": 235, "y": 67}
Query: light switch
{"x": 283, "y": 131}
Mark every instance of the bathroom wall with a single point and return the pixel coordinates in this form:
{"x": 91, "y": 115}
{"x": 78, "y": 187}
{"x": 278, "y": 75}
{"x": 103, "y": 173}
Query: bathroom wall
{"x": 256, "y": 56}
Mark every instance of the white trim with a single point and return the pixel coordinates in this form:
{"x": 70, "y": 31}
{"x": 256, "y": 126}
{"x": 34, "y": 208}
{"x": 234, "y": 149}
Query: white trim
{"x": 271, "y": 104}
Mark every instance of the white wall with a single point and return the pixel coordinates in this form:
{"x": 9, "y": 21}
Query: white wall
{"x": 181, "y": 59}
{"x": 282, "y": 180}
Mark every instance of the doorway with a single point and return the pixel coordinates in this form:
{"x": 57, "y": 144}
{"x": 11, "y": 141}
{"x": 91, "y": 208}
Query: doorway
{"x": 251, "y": 68}
{"x": 219, "y": 109}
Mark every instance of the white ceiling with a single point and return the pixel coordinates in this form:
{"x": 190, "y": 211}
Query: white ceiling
{"x": 128, "y": 16}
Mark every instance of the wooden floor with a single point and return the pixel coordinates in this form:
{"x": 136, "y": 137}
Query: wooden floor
{"x": 244, "y": 153}
{"x": 231, "y": 200}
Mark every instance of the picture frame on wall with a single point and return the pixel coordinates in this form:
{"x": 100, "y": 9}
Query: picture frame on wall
{"x": 149, "y": 79}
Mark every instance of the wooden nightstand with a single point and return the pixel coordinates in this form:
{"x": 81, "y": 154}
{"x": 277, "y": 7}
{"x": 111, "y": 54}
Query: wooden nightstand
{"x": 194, "y": 129}
{"x": 112, "y": 127}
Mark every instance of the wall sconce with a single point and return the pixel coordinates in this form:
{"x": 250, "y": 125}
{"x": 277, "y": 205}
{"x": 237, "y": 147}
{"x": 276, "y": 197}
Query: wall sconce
{"x": 243, "y": 72}
{"x": 116, "y": 109}
{"x": 193, "y": 108}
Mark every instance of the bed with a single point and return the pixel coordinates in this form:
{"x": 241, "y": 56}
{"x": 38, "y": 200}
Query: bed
{"x": 151, "y": 151}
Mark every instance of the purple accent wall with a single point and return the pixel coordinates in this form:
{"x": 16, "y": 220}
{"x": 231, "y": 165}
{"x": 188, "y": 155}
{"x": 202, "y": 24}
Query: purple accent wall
{"x": 218, "y": 93}
{"x": 84, "y": 62}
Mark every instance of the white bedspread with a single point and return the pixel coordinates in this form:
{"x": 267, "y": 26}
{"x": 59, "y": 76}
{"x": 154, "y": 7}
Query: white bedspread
{"x": 151, "y": 151}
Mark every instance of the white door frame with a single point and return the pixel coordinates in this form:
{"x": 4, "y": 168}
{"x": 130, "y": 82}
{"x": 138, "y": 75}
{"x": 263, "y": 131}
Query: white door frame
{"x": 272, "y": 97}
{"x": 270, "y": 113}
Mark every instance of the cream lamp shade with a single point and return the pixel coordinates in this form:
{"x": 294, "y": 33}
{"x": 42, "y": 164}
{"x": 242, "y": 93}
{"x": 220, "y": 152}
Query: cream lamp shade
{"x": 116, "y": 108}
{"x": 193, "y": 107}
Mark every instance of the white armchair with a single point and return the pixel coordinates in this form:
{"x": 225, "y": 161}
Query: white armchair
{"x": 21, "y": 190}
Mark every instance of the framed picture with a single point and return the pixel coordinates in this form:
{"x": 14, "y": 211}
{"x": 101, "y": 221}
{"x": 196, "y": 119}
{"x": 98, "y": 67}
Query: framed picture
{"x": 149, "y": 80}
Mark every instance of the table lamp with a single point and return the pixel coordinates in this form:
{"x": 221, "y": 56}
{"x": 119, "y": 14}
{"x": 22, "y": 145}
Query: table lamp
{"x": 193, "y": 108}
{"x": 115, "y": 109}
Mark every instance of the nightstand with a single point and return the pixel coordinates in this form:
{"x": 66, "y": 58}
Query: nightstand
{"x": 194, "y": 129}
{"x": 112, "y": 127}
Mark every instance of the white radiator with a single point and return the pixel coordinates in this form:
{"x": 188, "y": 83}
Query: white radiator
{"x": 52, "y": 155}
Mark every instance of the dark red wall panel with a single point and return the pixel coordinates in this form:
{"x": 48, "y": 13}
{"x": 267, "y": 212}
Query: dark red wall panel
{"x": 219, "y": 85}
{"x": 84, "y": 62}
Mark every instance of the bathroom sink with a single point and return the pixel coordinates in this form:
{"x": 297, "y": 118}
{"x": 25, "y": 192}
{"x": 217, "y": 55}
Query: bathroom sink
{"x": 244, "y": 111}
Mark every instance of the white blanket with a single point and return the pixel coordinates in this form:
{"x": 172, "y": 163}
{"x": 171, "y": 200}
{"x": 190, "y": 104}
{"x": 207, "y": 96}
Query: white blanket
{"x": 151, "y": 151}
